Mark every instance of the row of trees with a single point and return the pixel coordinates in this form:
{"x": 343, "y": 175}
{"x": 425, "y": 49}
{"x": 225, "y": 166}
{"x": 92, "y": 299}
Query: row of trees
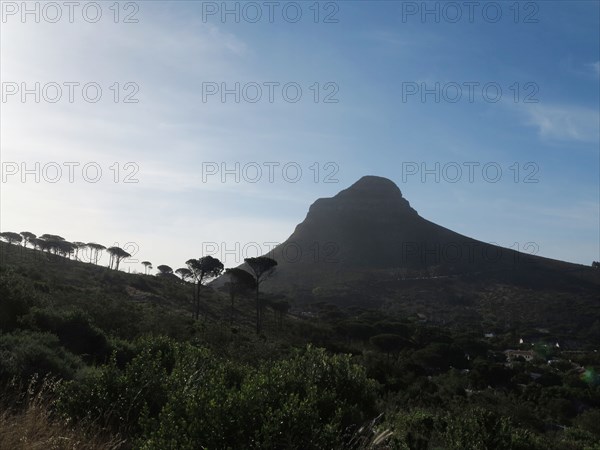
{"x": 202, "y": 270}
{"x": 57, "y": 245}
{"x": 199, "y": 271}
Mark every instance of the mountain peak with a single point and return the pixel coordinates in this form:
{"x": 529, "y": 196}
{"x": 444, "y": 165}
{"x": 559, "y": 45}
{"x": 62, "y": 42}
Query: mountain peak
{"x": 374, "y": 185}
{"x": 371, "y": 188}
{"x": 369, "y": 231}
{"x": 374, "y": 180}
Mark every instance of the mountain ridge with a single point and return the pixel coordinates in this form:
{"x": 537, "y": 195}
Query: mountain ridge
{"x": 368, "y": 232}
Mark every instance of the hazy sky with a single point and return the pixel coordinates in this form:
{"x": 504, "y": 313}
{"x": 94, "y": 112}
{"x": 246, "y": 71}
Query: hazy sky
{"x": 387, "y": 88}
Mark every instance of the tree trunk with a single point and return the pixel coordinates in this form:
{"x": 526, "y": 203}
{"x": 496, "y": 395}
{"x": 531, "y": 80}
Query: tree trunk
{"x": 197, "y": 300}
{"x": 257, "y": 312}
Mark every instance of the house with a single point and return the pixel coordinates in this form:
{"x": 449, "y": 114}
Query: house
{"x": 511, "y": 355}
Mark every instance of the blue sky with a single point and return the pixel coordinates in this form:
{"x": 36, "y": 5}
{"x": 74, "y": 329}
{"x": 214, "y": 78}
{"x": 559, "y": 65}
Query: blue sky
{"x": 370, "y": 57}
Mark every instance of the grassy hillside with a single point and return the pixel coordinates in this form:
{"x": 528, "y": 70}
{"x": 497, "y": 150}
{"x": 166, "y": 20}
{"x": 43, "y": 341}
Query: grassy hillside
{"x": 97, "y": 358}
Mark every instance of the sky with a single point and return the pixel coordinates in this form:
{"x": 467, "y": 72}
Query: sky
{"x": 180, "y": 129}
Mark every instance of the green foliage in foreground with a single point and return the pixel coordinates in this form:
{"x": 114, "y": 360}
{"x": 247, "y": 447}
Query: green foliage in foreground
{"x": 175, "y": 395}
{"x": 133, "y": 364}
{"x": 476, "y": 428}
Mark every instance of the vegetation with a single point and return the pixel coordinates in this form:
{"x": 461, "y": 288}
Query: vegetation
{"x": 240, "y": 283}
{"x": 117, "y": 255}
{"x": 203, "y": 269}
{"x": 261, "y": 267}
{"x": 164, "y": 269}
{"x": 11, "y": 237}
{"x": 147, "y": 266}
{"x": 97, "y": 358}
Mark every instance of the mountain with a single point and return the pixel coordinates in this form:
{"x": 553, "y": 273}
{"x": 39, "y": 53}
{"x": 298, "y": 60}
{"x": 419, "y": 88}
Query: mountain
{"x": 367, "y": 245}
{"x": 370, "y": 227}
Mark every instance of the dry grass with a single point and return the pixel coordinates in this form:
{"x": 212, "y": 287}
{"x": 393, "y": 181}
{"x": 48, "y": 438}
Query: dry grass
{"x": 371, "y": 436}
{"x": 31, "y": 425}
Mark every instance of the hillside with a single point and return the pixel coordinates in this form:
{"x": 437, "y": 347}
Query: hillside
{"x": 368, "y": 247}
{"x": 371, "y": 346}
{"x": 123, "y": 304}
{"x": 92, "y": 357}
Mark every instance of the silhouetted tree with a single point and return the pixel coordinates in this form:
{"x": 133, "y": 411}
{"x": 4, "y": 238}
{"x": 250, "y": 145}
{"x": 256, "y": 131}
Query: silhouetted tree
{"x": 40, "y": 244}
{"x": 596, "y": 265}
{"x": 52, "y": 237}
{"x": 240, "y": 282}
{"x": 262, "y": 267}
{"x": 11, "y": 238}
{"x": 95, "y": 251}
{"x": 163, "y": 269}
{"x": 54, "y": 243}
{"x": 63, "y": 248}
{"x": 78, "y": 245}
{"x": 27, "y": 237}
{"x": 203, "y": 269}
{"x": 147, "y": 266}
{"x": 117, "y": 254}
{"x": 184, "y": 273}
{"x": 280, "y": 308}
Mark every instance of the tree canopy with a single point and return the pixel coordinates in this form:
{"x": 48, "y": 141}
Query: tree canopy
{"x": 164, "y": 269}
{"x": 11, "y": 238}
{"x": 262, "y": 267}
{"x": 240, "y": 282}
{"x": 147, "y": 266}
{"x": 117, "y": 254}
{"x": 27, "y": 237}
{"x": 184, "y": 273}
{"x": 203, "y": 269}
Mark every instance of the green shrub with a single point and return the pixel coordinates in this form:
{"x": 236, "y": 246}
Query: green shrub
{"x": 25, "y": 353}
{"x": 176, "y": 395}
{"x": 118, "y": 398}
{"x": 412, "y": 430}
{"x": 310, "y": 400}
{"x": 589, "y": 421}
{"x": 16, "y": 297}
{"x": 481, "y": 429}
{"x": 74, "y": 330}
{"x": 389, "y": 343}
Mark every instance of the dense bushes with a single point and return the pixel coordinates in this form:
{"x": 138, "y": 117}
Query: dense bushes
{"x": 473, "y": 428}
{"x": 28, "y": 421}
{"x": 208, "y": 386}
{"x": 74, "y": 330}
{"x": 175, "y": 395}
{"x": 25, "y": 353}
{"x": 16, "y": 297}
